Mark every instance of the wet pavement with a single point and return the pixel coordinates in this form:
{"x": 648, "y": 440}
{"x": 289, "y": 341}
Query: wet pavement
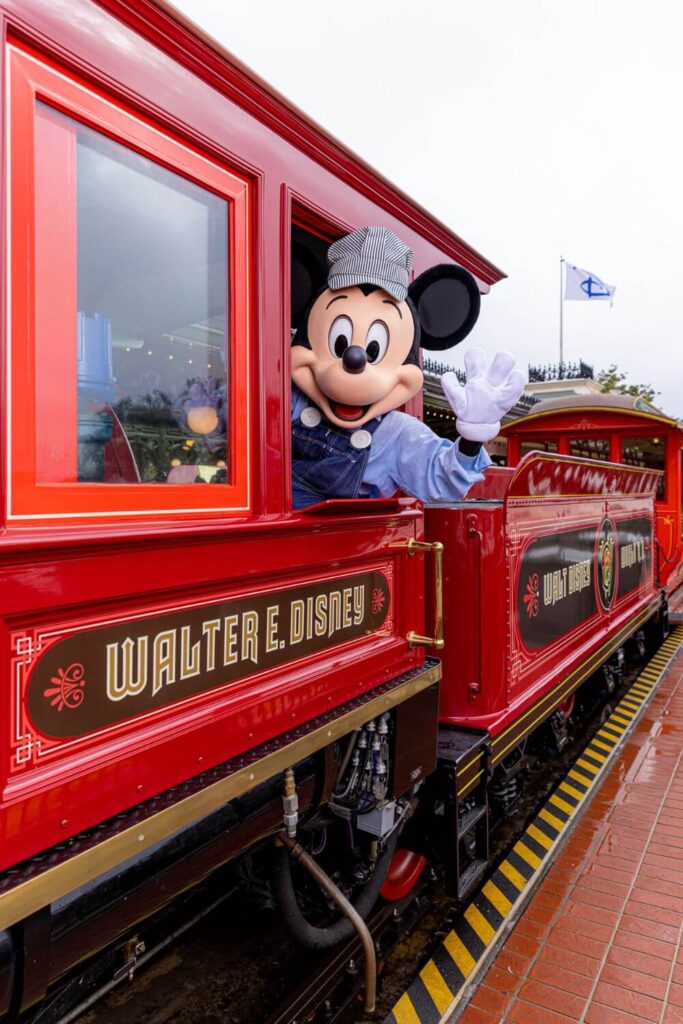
{"x": 600, "y": 941}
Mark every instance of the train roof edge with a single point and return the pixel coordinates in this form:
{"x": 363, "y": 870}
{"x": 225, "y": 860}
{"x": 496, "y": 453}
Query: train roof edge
{"x": 633, "y": 405}
{"x": 189, "y": 44}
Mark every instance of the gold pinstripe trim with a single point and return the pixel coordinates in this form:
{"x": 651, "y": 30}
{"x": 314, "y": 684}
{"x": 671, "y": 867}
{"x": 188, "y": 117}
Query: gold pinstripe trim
{"x": 567, "y": 494}
{"x": 469, "y": 764}
{"x": 474, "y": 779}
{"x": 444, "y": 997}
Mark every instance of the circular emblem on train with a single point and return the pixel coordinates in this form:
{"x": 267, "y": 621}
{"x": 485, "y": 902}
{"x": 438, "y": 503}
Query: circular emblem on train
{"x": 607, "y": 567}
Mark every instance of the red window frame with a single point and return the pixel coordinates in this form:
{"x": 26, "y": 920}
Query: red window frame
{"x": 37, "y": 265}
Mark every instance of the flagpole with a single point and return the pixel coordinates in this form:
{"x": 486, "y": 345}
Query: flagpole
{"x": 561, "y": 309}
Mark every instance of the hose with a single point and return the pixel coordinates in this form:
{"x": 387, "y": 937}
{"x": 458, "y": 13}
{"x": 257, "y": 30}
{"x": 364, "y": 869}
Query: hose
{"x": 347, "y": 756}
{"x": 310, "y": 935}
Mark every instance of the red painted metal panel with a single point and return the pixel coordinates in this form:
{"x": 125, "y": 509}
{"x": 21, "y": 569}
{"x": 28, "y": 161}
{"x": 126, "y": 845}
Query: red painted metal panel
{"x": 56, "y": 787}
{"x": 535, "y": 584}
{"x": 55, "y": 282}
{"x": 70, "y": 578}
{"x": 548, "y": 476}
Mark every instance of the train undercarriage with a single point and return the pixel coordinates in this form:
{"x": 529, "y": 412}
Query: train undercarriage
{"x": 379, "y": 809}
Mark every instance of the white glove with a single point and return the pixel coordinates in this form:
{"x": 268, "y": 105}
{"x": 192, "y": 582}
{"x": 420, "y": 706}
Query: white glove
{"x": 489, "y": 391}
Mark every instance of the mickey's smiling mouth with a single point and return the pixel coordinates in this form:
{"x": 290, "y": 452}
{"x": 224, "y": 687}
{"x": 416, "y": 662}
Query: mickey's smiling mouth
{"x": 350, "y": 413}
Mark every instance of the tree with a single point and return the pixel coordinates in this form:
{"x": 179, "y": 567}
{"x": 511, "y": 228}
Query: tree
{"x": 612, "y": 379}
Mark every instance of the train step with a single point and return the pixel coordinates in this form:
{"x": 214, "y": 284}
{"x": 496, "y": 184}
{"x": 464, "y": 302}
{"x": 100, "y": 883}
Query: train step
{"x": 471, "y": 818}
{"x": 470, "y": 876}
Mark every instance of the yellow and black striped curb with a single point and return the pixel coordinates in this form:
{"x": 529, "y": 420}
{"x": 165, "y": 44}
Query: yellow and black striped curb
{"x": 435, "y": 993}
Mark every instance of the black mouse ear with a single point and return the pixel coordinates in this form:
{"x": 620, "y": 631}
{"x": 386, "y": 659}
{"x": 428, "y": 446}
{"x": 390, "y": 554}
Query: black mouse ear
{"x": 308, "y": 277}
{"x": 447, "y": 301}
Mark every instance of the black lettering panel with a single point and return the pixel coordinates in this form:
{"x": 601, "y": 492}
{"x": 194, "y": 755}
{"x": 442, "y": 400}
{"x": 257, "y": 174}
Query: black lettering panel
{"x": 635, "y": 554}
{"x": 556, "y": 587}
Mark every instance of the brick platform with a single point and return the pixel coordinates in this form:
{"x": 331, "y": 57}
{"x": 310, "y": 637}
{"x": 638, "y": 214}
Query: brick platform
{"x": 601, "y": 939}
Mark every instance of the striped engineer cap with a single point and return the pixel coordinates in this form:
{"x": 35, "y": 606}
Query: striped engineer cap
{"x": 370, "y": 256}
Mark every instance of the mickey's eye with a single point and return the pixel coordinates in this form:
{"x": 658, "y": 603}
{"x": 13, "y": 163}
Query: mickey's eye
{"x": 340, "y": 336}
{"x": 377, "y": 342}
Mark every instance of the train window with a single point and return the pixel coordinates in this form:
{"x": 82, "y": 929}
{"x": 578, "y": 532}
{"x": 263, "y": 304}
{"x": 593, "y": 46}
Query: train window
{"x": 537, "y": 445}
{"x": 138, "y": 269}
{"x": 597, "y": 448}
{"x": 150, "y": 334}
{"x": 647, "y": 452}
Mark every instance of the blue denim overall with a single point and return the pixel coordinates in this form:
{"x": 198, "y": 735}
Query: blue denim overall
{"x": 325, "y": 464}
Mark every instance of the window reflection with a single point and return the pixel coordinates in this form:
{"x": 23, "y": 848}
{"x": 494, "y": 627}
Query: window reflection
{"x": 646, "y": 452}
{"x": 152, "y": 319}
{"x": 537, "y": 445}
{"x": 597, "y": 448}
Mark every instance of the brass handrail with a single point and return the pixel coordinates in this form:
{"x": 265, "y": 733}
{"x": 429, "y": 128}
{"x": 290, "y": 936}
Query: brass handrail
{"x": 436, "y": 548}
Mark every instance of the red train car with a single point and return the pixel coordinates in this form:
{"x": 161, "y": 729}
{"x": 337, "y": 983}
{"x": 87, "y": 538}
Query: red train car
{"x": 560, "y": 584}
{"x": 189, "y": 664}
{"x": 614, "y": 428}
{"x": 549, "y": 571}
{"x": 174, "y": 635}
{"x": 158, "y": 589}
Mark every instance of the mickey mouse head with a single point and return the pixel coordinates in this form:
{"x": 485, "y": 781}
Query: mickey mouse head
{"x": 356, "y": 349}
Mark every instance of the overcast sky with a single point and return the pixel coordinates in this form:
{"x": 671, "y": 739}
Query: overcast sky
{"x": 533, "y": 128}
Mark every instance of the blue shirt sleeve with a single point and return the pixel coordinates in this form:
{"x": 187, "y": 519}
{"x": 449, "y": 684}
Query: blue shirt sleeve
{"x": 406, "y": 455}
{"x": 299, "y": 402}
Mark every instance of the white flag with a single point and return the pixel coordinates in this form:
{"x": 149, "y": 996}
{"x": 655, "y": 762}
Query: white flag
{"x": 581, "y": 284}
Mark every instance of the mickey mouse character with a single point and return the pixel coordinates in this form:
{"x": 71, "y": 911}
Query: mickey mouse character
{"x": 355, "y": 360}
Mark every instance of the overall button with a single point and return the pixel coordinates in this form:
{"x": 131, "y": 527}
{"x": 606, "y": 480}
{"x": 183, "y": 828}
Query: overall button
{"x": 311, "y": 416}
{"x": 361, "y": 439}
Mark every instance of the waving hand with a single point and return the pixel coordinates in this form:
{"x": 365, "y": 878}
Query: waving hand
{"x": 491, "y": 389}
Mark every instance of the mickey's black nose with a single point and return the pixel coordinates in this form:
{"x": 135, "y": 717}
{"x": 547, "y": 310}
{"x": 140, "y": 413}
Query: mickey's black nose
{"x": 354, "y": 359}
